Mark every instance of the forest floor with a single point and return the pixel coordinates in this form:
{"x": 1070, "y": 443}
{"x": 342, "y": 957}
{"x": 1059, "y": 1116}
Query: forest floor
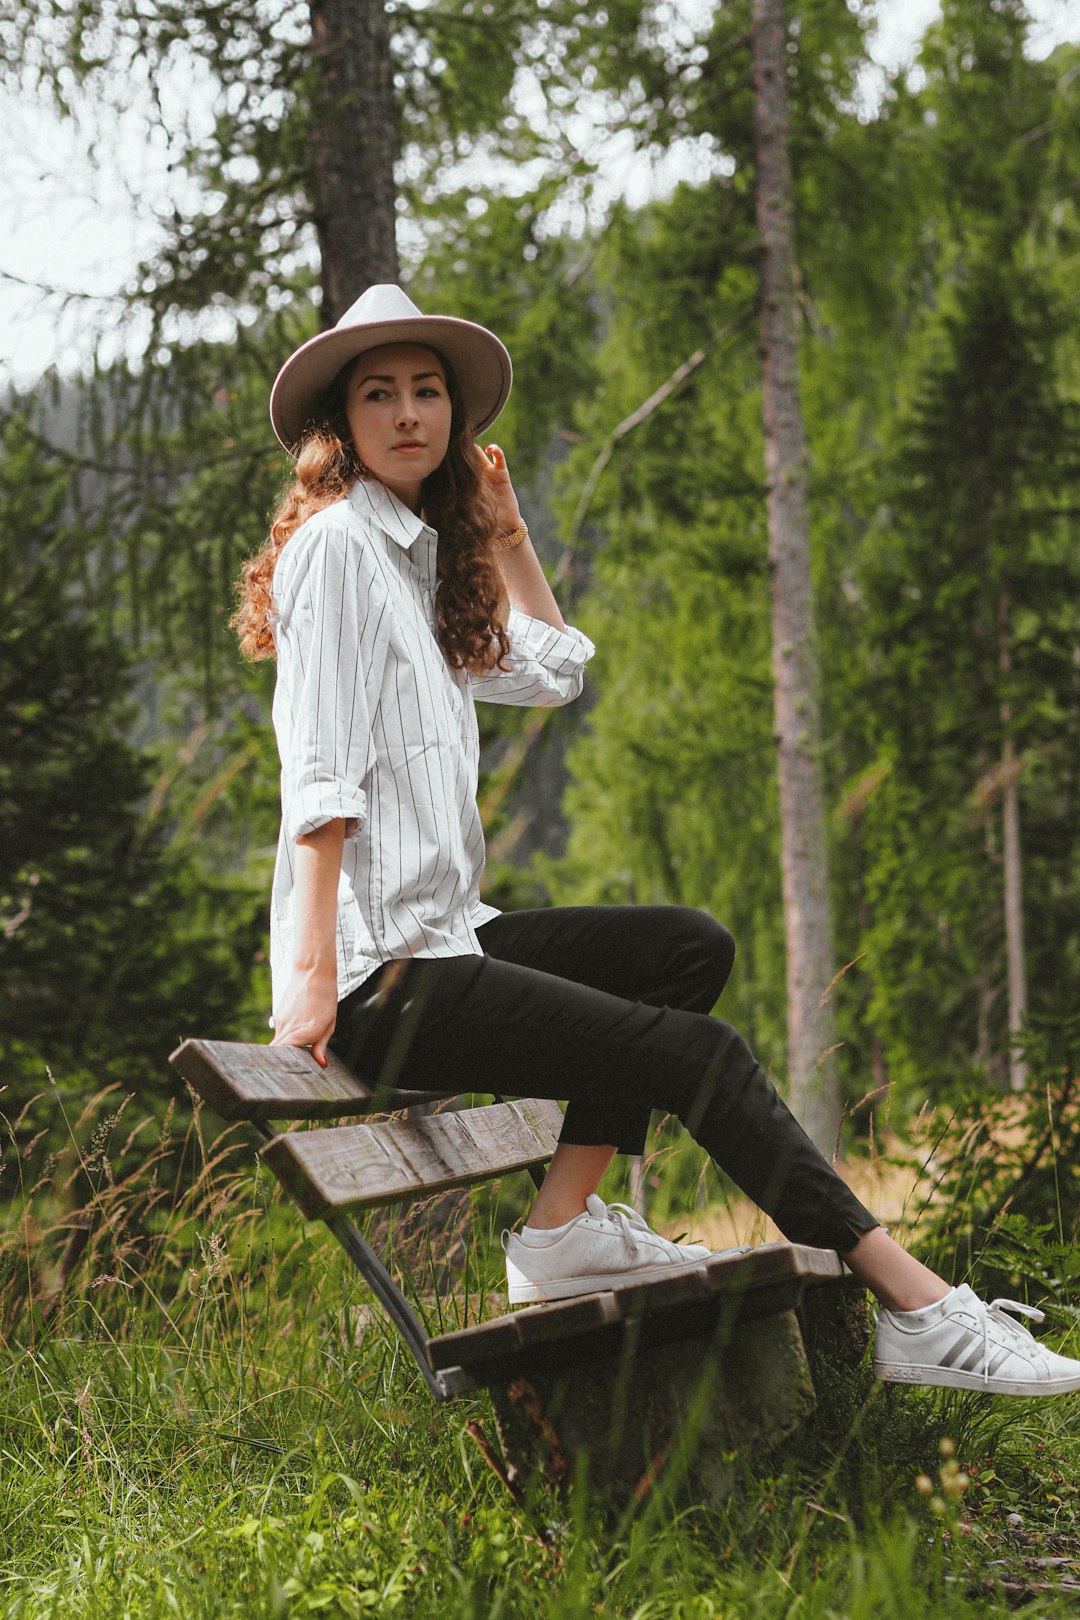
{"x": 217, "y": 1423}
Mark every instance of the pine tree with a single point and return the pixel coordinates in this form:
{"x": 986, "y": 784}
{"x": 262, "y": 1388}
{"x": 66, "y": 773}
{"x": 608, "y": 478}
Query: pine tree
{"x": 976, "y": 584}
{"x": 115, "y": 929}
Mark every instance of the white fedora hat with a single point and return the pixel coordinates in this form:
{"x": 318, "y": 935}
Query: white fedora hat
{"x": 384, "y": 314}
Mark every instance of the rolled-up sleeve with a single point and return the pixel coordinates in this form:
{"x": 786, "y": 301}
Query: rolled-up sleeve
{"x": 546, "y": 666}
{"x": 326, "y": 642}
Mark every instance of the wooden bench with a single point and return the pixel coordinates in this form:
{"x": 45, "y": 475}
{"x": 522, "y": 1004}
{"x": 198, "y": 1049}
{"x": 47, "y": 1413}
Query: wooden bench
{"x": 696, "y": 1372}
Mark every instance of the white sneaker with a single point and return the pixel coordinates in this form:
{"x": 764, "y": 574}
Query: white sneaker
{"x": 608, "y": 1245}
{"x": 963, "y": 1343}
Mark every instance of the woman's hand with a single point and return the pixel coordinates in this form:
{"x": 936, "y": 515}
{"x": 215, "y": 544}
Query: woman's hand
{"x": 501, "y": 490}
{"x": 308, "y": 1012}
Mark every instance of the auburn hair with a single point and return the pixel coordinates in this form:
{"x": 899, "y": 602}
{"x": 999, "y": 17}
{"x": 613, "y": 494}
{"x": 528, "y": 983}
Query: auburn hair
{"x": 454, "y": 500}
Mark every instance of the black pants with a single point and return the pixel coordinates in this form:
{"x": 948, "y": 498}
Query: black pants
{"x": 605, "y": 1007}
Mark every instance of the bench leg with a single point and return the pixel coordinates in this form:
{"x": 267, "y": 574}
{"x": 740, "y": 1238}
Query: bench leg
{"x": 695, "y": 1414}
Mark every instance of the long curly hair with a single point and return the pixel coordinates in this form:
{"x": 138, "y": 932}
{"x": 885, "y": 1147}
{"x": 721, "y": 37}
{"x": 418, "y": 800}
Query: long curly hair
{"x": 468, "y": 622}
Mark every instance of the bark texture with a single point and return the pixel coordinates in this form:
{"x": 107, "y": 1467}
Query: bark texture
{"x": 354, "y": 145}
{"x": 814, "y": 1089}
{"x": 1014, "y": 879}
{"x": 695, "y": 1414}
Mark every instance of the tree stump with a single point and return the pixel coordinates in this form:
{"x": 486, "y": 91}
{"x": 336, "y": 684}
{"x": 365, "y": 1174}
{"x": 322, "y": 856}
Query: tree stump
{"x": 835, "y": 1324}
{"x": 696, "y": 1414}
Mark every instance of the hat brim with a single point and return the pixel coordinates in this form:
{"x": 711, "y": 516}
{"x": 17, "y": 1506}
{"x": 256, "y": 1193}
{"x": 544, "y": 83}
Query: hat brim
{"x": 481, "y": 366}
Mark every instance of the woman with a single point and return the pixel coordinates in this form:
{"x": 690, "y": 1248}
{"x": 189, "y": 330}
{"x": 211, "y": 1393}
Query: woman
{"x": 397, "y": 585}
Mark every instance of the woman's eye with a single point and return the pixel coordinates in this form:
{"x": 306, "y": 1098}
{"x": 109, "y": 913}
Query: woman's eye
{"x": 376, "y": 393}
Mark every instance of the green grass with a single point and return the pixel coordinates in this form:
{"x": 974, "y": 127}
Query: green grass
{"x": 213, "y": 1421}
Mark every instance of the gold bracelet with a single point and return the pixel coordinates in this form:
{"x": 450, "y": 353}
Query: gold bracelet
{"x": 507, "y": 542}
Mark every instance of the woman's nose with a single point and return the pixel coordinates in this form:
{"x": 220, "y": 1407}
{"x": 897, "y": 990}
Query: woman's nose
{"x": 406, "y": 412}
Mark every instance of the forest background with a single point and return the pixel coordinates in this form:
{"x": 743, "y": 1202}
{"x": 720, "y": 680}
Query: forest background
{"x": 177, "y": 1435}
{"x": 937, "y": 247}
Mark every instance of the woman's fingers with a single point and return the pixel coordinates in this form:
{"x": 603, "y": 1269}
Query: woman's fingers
{"x": 305, "y": 1034}
{"x": 290, "y": 1035}
{"x": 507, "y": 511}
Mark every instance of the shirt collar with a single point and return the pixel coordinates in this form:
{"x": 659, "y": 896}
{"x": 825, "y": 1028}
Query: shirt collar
{"x": 370, "y": 499}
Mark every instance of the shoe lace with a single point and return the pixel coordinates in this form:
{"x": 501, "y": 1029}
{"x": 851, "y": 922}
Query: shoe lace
{"x": 628, "y": 1221}
{"x": 997, "y": 1309}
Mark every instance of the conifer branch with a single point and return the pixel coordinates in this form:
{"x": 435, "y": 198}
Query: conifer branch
{"x": 641, "y": 414}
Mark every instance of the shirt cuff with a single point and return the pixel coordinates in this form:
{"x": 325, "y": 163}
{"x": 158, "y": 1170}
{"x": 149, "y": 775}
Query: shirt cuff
{"x": 312, "y": 807}
{"x": 560, "y": 651}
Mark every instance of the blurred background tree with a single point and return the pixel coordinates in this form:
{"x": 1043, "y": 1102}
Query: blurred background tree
{"x": 112, "y": 938}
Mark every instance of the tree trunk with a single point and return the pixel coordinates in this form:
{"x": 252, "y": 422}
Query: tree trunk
{"x": 353, "y": 149}
{"x": 808, "y": 927}
{"x": 1014, "y": 880}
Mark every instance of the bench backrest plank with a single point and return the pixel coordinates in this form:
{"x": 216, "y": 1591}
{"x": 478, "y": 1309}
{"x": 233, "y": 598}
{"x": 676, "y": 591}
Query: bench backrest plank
{"x": 243, "y": 1080}
{"x": 334, "y": 1171}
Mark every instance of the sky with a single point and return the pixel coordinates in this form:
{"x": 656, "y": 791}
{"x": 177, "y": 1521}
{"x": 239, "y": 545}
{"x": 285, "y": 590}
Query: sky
{"x": 82, "y": 228}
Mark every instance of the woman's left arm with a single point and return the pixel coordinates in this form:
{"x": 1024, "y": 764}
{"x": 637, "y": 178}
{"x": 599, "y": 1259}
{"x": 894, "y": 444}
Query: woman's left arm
{"x": 526, "y": 585}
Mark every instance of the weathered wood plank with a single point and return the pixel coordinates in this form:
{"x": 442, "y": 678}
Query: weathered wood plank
{"x": 776, "y": 1273}
{"x": 770, "y": 1262}
{"x": 714, "y": 1318}
{"x": 242, "y": 1080}
{"x": 539, "y": 1324}
{"x": 358, "y": 1166}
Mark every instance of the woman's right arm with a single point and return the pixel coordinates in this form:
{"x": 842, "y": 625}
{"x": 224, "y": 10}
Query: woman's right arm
{"x": 331, "y": 596}
{"x": 307, "y": 1012}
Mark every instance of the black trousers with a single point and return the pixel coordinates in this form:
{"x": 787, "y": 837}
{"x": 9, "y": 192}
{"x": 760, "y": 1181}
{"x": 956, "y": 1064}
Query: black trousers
{"x": 605, "y": 1007}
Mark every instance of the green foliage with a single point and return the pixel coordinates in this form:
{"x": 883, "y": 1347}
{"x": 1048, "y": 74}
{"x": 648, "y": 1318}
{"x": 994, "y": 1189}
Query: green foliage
{"x": 118, "y": 933}
{"x": 989, "y": 104}
{"x": 940, "y": 389}
{"x": 971, "y": 582}
{"x": 673, "y": 792}
{"x": 490, "y": 261}
{"x": 1004, "y": 1200}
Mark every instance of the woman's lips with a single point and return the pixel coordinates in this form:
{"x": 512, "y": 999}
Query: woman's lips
{"x": 408, "y": 445}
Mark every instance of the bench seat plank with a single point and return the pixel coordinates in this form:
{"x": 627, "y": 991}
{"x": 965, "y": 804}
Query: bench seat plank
{"x": 244, "y": 1080}
{"x": 774, "y": 1275}
{"x": 333, "y": 1172}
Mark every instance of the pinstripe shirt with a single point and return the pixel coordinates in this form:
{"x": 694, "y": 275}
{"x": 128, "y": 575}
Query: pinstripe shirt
{"x": 374, "y": 726}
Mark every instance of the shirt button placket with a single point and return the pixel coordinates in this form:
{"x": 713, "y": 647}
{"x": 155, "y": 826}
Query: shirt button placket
{"x": 426, "y": 561}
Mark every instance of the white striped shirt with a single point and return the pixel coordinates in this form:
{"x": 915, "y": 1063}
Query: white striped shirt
{"x": 374, "y": 726}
